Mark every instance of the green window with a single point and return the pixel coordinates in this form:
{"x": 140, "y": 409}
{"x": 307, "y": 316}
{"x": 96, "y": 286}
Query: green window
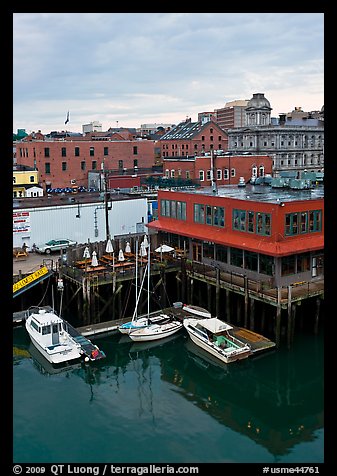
{"x": 315, "y": 220}
{"x": 239, "y": 220}
{"x": 263, "y": 221}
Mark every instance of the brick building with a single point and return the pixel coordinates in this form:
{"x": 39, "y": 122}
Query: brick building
{"x": 63, "y": 163}
{"x": 226, "y": 168}
{"x": 188, "y": 139}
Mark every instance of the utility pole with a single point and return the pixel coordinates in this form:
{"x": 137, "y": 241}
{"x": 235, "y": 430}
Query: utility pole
{"x": 106, "y": 205}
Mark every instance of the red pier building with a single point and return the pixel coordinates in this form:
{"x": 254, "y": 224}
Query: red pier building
{"x": 269, "y": 236}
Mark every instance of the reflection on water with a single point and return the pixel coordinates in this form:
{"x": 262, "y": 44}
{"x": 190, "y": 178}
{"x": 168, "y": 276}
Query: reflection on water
{"x": 174, "y": 400}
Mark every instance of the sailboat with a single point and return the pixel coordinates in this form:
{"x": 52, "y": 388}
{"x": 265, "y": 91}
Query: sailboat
{"x": 148, "y": 328}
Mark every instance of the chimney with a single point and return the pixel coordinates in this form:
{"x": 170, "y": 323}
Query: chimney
{"x": 282, "y": 119}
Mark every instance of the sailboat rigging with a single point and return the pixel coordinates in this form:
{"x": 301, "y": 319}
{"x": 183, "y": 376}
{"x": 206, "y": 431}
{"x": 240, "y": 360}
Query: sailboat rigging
{"x": 146, "y": 328}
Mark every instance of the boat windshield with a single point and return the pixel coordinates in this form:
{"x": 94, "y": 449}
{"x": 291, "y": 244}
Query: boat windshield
{"x": 46, "y": 330}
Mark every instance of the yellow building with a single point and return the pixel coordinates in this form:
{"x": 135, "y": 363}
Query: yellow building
{"x": 26, "y": 179}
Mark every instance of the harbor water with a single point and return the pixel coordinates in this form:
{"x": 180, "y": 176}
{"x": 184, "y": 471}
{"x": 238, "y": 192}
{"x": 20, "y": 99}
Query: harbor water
{"x": 167, "y": 402}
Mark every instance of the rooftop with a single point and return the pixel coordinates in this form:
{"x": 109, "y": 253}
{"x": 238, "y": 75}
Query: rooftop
{"x": 68, "y": 199}
{"x": 262, "y": 193}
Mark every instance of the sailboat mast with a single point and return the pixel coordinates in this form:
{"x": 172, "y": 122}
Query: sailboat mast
{"x": 148, "y": 276}
{"x": 136, "y": 275}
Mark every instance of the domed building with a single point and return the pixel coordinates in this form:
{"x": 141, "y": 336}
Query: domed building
{"x": 296, "y": 143}
{"x": 258, "y": 111}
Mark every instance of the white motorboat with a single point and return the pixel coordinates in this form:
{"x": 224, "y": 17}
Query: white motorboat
{"x": 197, "y": 310}
{"x": 57, "y": 340}
{"x": 214, "y": 336}
{"x": 166, "y": 328}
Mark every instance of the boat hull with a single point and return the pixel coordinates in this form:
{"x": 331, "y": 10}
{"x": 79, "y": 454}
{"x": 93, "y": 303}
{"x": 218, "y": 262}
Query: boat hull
{"x": 216, "y": 352}
{"x": 66, "y": 355}
{"x": 156, "y": 331}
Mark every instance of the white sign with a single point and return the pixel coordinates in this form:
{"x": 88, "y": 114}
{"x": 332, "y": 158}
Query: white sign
{"x": 21, "y": 222}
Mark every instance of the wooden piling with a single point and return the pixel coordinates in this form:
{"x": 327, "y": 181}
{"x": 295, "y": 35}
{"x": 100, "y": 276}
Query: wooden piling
{"x": 278, "y": 318}
{"x": 217, "y": 293}
{"x": 246, "y": 301}
{"x": 318, "y": 305}
{"x": 252, "y": 313}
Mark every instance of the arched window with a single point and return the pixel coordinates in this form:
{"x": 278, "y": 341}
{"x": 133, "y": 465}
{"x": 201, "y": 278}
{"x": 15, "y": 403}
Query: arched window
{"x": 31, "y": 178}
{"x": 261, "y": 170}
{"x": 254, "y": 171}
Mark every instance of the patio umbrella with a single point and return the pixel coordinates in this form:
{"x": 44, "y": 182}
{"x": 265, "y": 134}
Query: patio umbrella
{"x": 109, "y": 247}
{"x": 128, "y": 247}
{"x": 121, "y": 256}
{"x": 145, "y": 241}
{"x": 164, "y": 249}
{"x": 94, "y": 261}
{"x": 86, "y": 253}
{"x": 142, "y": 251}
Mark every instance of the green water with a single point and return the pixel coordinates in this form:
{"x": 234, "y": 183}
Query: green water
{"x": 168, "y": 403}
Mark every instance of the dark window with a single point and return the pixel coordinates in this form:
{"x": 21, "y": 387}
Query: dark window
{"x": 266, "y": 265}
{"x": 92, "y": 151}
{"x": 47, "y": 167}
{"x": 106, "y": 151}
{"x": 303, "y": 262}
{"x": 64, "y": 152}
{"x": 236, "y": 257}
{"x": 135, "y": 150}
{"x": 208, "y": 249}
{"x": 120, "y": 164}
{"x": 77, "y": 151}
{"x": 251, "y": 260}
{"x": 83, "y": 165}
{"x": 288, "y": 265}
{"x": 94, "y": 165}
{"x": 46, "y": 152}
{"x": 32, "y": 178}
{"x": 221, "y": 253}
{"x": 135, "y": 163}
{"x": 64, "y": 165}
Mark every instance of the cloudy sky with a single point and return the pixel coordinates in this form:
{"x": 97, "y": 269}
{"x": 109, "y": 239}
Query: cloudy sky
{"x": 128, "y": 69}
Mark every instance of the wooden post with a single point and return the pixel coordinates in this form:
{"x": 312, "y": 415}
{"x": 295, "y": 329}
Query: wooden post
{"x": 217, "y": 293}
{"x": 289, "y": 333}
{"x": 252, "y": 313}
{"x": 278, "y": 318}
{"x": 238, "y": 308}
{"x": 293, "y": 316}
{"x": 228, "y": 313}
{"x": 191, "y": 290}
{"x": 209, "y": 298}
{"x": 318, "y": 304}
{"x": 263, "y": 316}
{"x": 246, "y": 300}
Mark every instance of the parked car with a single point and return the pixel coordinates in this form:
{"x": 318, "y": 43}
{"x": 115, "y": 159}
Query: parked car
{"x": 54, "y": 245}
